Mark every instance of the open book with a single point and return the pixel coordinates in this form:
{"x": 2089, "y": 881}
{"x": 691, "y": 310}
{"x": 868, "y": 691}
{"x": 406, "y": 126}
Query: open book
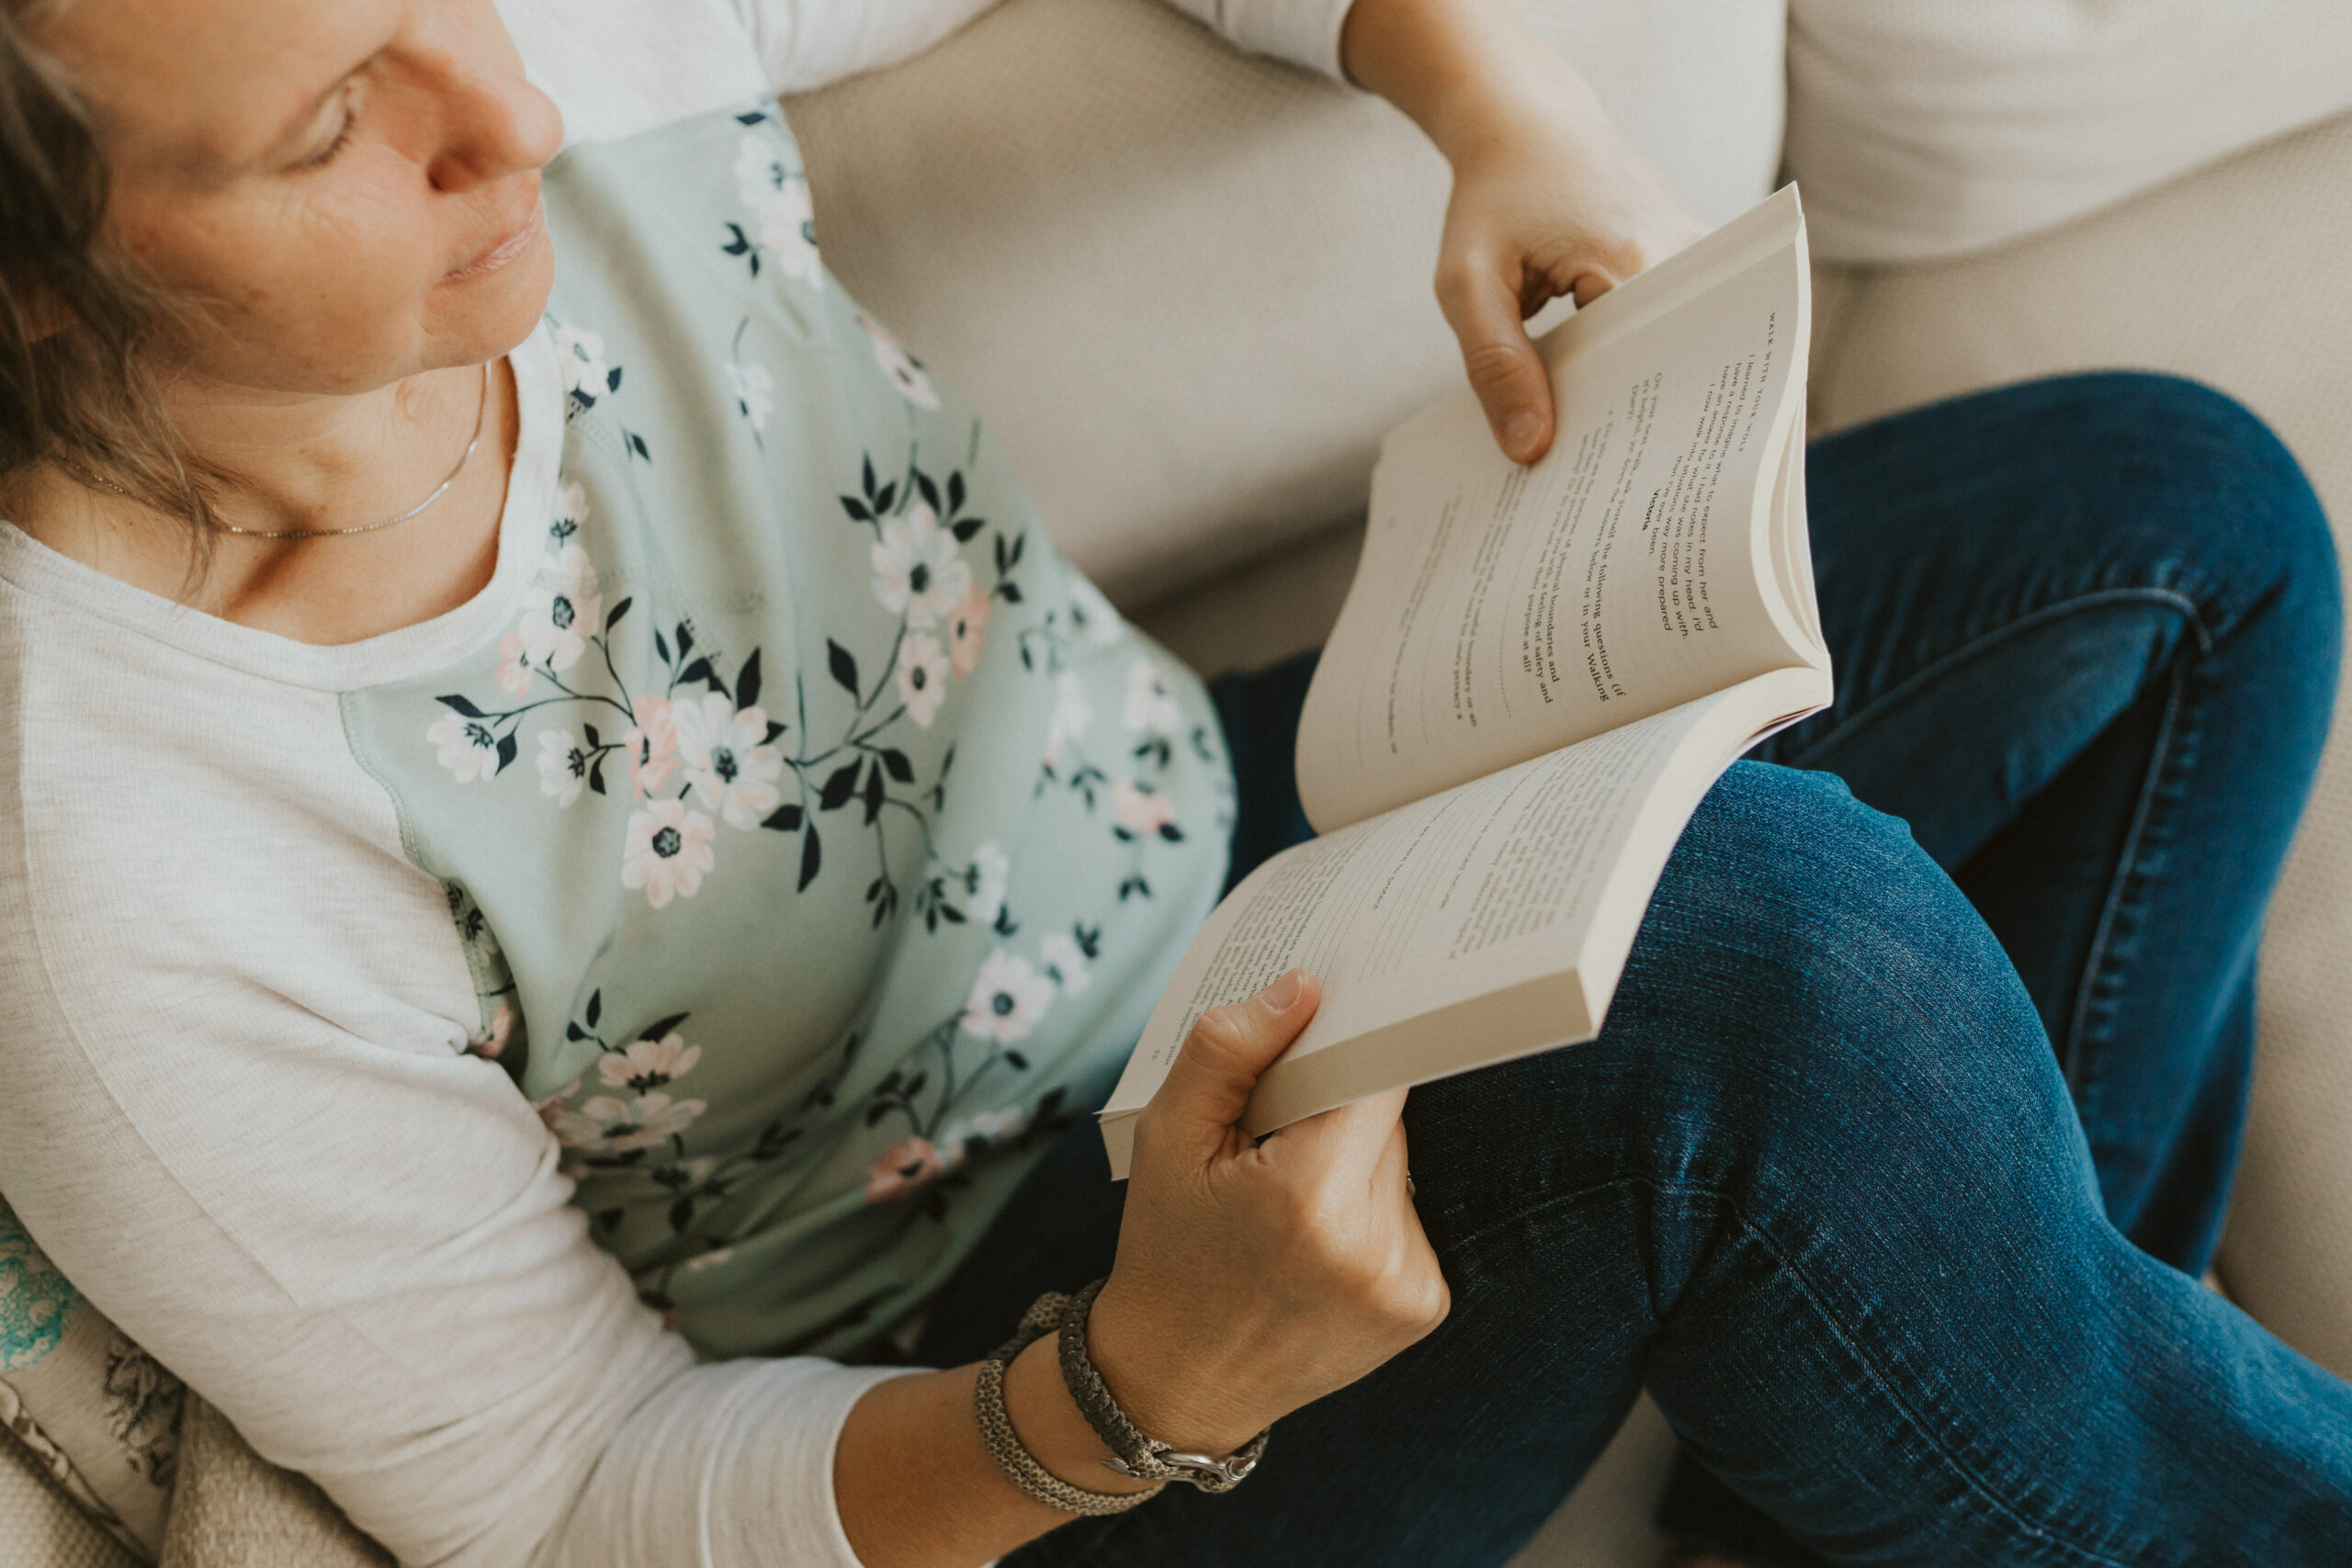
{"x": 1538, "y": 674}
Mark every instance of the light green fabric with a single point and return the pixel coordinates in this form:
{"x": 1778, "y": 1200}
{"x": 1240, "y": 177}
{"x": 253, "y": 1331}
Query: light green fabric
{"x": 819, "y": 839}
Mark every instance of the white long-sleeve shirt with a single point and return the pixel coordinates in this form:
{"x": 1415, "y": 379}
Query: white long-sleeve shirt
{"x": 418, "y": 1318}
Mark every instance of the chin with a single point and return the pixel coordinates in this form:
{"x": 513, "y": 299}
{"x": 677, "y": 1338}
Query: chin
{"x": 483, "y": 317}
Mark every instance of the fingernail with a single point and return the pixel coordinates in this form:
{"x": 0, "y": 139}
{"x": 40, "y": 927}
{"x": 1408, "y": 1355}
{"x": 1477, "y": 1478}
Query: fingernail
{"x": 1282, "y": 995}
{"x": 1520, "y": 431}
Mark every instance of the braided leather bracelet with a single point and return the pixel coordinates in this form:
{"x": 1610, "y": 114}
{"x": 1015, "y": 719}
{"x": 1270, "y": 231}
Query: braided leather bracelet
{"x": 1140, "y": 1457}
{"x": 1004, "y": 1445}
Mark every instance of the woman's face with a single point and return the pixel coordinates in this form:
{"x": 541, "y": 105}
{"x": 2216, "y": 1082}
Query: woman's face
{"x": 350, "y": 188}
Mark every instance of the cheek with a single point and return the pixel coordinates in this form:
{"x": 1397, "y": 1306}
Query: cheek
{"x": 303, "y": 293}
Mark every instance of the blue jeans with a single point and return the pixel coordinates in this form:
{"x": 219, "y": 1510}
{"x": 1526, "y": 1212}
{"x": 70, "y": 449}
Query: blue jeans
{"x": 1824, "y": 1185}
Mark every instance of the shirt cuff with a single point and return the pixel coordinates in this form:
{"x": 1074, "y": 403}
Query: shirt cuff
{"x": 731, "y": 1463}
{"x": 1305, "y": 32}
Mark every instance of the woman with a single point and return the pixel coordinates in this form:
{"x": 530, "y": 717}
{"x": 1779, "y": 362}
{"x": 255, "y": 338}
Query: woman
{"x": 499, "y": 798}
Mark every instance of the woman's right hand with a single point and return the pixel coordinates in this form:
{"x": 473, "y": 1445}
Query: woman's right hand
{"x": 1256, "y": 1276}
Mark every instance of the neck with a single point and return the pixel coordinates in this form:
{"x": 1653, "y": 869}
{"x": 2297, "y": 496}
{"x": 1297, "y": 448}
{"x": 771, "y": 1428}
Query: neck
{"x": 325, "y": 462}
{"x": 313, "y": 464}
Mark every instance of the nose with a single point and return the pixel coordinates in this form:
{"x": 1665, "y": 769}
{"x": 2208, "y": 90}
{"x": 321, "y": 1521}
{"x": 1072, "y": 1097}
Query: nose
{"x": 493, "y": 122}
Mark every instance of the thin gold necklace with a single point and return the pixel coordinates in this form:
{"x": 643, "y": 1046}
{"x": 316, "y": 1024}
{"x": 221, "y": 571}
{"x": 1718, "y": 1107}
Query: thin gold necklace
{"x": 482, "y": 416}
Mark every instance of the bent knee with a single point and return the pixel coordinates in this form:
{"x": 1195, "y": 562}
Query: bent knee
{"x": 1795, "y": 920}
{"x": 2194, "y": 453}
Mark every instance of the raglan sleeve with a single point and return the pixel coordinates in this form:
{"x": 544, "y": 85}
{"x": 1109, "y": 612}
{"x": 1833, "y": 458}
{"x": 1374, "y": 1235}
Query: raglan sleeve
{"x": 808, "y": 43}
{"x": 241, "y": 1117}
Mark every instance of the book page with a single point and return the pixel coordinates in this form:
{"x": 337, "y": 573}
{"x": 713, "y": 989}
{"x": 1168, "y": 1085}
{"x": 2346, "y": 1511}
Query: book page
{"x": 1501, "y": 910}
{"x": 1502, "y": 612}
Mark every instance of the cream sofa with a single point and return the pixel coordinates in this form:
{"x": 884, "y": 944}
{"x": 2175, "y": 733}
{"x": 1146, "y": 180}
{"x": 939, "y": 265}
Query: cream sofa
{"x": 1190, "y": 291}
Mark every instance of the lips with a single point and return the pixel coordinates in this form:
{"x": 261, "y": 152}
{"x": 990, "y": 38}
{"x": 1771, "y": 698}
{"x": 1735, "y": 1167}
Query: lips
{"x": 514, "y": 244}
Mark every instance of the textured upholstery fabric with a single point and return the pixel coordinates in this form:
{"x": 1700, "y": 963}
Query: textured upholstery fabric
{"x": 1930, "y": 128}
{"x": 235, "y": 1510}
{"x": 1189, "y": 290}
{"x": 38, "y": 1528}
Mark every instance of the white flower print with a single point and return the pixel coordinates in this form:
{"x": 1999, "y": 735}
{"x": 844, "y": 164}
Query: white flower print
{"x": 1008, "y": 999}
{"x": 728, "y": 762}
{"x": 985, "y": 1126}
{"x": 648, "y": 1065}
{"x": 1066, "y": 962}
{"x": 777, "y": 199}
{"x": 621, "y": 1125}
{"x": 1093, "y": 613}
{"x": 1072, "y": 716}
{"x": 563, "y": 766}
{"x": 514, "y": 666}
{"x": 968, "y": 627}
{"x": 1009, "y": 1123}
{"x": 564, "y": 607}
{"x": 923, "y": 677}
{"x": 570, "y": 510}
{"x": 991, "y": 872}
{"x": 652, "y": 745}
{"x": 754, "y": 388}
{"x": 580, "y": 355}
{"x": 710, "y": 1259}
{"x": 906, "y": 372}
{"x": 667, "y": 850}
{"x": 916, "y": 569}
{"x": 1142, "y": 811}
{"x": 1152, "y": 707}
{"x": 468, "y": 748}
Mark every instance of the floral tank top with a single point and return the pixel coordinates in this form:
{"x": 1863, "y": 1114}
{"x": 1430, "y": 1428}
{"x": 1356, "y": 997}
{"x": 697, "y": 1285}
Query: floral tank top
{"x": 819, "y": 840}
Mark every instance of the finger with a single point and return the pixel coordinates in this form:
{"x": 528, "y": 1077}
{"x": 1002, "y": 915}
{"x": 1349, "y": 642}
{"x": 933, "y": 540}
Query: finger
{"x": 1347, "y": 1143}
{"x": 1482, "y": 306}
{"x": 1590, "y": 286}
{"x": 1208, "y": 1086}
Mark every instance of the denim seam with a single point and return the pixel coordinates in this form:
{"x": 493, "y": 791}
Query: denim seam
{"x": 1982, "y": 642}
{"x": 1887, "y": 1386}
{"x": 2159, "y": 759}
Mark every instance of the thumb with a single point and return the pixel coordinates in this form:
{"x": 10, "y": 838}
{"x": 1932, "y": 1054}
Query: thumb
{"x": 1505, "y": 370}
{"x": 1208, "y": 1086}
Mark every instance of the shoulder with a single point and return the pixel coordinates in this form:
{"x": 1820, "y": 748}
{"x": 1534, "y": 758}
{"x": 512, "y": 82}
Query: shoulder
{"x": 618, "y": 67}
{"x": 186, "y": 841}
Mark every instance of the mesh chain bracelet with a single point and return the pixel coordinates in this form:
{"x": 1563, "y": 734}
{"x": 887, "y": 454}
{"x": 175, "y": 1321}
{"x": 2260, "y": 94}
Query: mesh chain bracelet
{"x": 1140, "y": 1457}
{"x": 1004, "y": 1445}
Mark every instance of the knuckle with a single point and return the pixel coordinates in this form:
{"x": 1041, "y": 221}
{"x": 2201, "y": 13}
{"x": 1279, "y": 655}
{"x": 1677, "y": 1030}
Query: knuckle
{"x": 1492, "y": 364}
{"x": 1219, "y": 1032}
{"x": 1457, "y": 282}
{"x": 1413, "y": 1300}
{"x": 1435, "y": 1303}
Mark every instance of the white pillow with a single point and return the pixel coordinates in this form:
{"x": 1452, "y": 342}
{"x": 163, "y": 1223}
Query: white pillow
{"x": 1931, "y": 128}
{"x": 1190, "y": 290}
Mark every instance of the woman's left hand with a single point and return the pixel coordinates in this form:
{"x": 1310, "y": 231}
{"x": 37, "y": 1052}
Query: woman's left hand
{"x": 1538, "y": 213}
{"x": 1548, "y": 200}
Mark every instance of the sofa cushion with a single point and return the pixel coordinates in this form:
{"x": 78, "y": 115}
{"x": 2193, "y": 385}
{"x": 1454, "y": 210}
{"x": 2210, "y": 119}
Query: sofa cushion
{"x": 40, "y": 1528}
{"x": 1930, "y": 128}
{"x": 1190, "y": 290}
{"x": 2235, "y": 275}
